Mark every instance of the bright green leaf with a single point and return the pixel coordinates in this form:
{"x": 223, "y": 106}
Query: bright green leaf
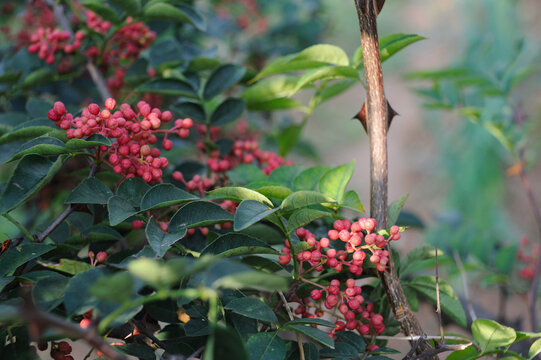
{"x": 489, "y": 334}
{"x": 238, "y": 194}
{"x": 333, "y": 183}
{"x": 395, "y": 208}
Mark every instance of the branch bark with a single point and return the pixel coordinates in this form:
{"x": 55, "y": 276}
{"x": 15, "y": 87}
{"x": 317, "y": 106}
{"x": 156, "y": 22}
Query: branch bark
{"x": 376, "y": 110}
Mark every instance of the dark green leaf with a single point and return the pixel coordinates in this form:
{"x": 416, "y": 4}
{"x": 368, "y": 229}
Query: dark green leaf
{"x": 307, "y": 321}
{"x": 288, "y": 138}
{"x": 159, "y": 241}
{"x": 48, "y": 293}
{"x": 90, "y": 191}
{"x": 313, "y": 333}
{"x": 266, "y": 346}
{"x": 249, "y": 212}
{"x": 31, "y": 174}
{"x": 333, "y": 183}
{"x": 104, "y": 11}
{"x": 36, "y": 107}
{"x": 37, "y": 78}
{"x": 164, "y": 195}
{"x": 139, "y": 351}
{"x": 310, "y": 352}
{"x": 45, "y": 146}
{"x": 342, "y": 350}
{"x": 230, "y": 110}
{"x": 197, "y": 214}
{"x": 29, "y": 129}
{"x": 174, "y": 87}
{"x": 353, "y": 339}
{"x": 17, "y": 256}
{"x": 228, "y": 344}
{"x": 284, "y": 175}
{"x": 131, "y": 7}
{"x": 222, "y": 79}
{"x": 232, "y": 244}
{"x": 395, "y": 208}
{"x": 77, "y": 297}
{"x": 94, "y": 140}
{"x": 252, "y": 308}
{"x": 245, "y": 174}
{"x": 119, "y": 209}
{"x": 191, "y": 110}
{"x": 133, "y": 189}
{"x": 116, "y": 288}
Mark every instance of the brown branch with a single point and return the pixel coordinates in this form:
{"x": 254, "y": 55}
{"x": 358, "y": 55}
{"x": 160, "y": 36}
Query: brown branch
{"x": 376, "y": 110}
{"x": 532, "y": 293}
{"x": 438, "y": 303}
{"x": 291, "y": 317}
{"x": 38, "y": 321}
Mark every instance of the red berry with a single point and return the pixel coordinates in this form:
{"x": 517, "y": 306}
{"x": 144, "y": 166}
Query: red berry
{"x": 315, "y": 294}
{"x": 167, "y": 145}
{"x": 101, "y": 256}
{"x": 64, "y": 347}
{"x": 137, "y": 224}
{"x": 110, "y": 104}
{"x": 85, "y": 323}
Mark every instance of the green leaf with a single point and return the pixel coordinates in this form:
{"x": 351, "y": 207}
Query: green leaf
{"x": 333, "y": 183}
{"x": 266, "y": 346}
{"x": 36, "y": 107}
{"x": 489, "y": 334}
{"x": 304, "y": 216}
{"x": 308, "y": 321}
{"x": 90, "y": 191}
{"x": 159, "y": 241}
{"x": 284, "y": 175}
{"x": 353, "y": 339}
{"x": 238, "y": 194}
{"x": 45, "y": 146}
{"x": 68, "y": 266}
{"x": 288, "y": 138}
{"x": 15, "y": 257}
{"x": 245, "y": 174}
{"x": 92, "y": 141}
{"x": 131, "y": 7}
{"x": 352, "y": 201}
{"x": 252, "y": 308}
{"x": 116, "y": 288}
{"x": 154, "y": 273}
{"x": 133, "y": 189}
{"x": 388, "y": 45}
{"x": 38, "y": 77}
{"x": 450, "y": 304}
{"x": 468, "y": 353}
{"x": 175, "y": 87}
{"x": 395, "y": 208}
{"x": 252, "y": 279}
{"x": 269, "y": 89}
{"x": 178, "y": 13}
{"x": 276, "y": 104}
{"x": 325, "y": 73}
{"x": 28, "y": 129}
{"x": 411, "y": 296}
{"x": 31, "y": 174}
{"x": 313, "y": 333}
{"x": 222, "y": 79}
{"x": 201, "y": 63}
{"x": 232, "y": 244}
{"x": 48, "y": 292}
{"x": 191, "y": 110}
{"x": 139, "y": 351}
{"x": 270, "y": 189}
{"x": 249, "y": 212}
{"x": 332, "y": 90}
{"x": 341, "y": 350}
{"x": 309, "y": 178}
{"x": 105, "y": 12}
{"x": 311, "y": 57}
{"x": 304, "y": 198}
{"x": 310, "y": 352}
{"x": 230, "y": 110}
{"x": 197, "y": 214}
{"x": 164, "y": 195}
{"x": 119, "y": 209}
{"x": 77, "y": 297}
{"x": 535, "y": 349}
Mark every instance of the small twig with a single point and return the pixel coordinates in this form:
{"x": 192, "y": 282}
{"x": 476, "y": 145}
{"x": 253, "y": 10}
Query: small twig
{"x": 55, "y": 224}
{"x": 415, "y": 338}
{"x": 291, "y": 317}
{"x": 438, "y": 304}
{"x": 196, "y": 353}
{"x": 469, "y": 304}
{"x": 439, "y": 349}
{"x": 143, "y": 330}
{"x": 38, "y": 321}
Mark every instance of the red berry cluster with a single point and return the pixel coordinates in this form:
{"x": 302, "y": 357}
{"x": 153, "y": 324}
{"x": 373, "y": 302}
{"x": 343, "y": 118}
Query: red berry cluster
{"x": 131, "y": 154}
{"x": 250, "y": 16}
{"x": 96, "y": 23}
{"x": 528, "y": 259}
{"x": 36, "y": 14}
{"x": 353, "y": 312}
{"x": 352, "y": 235}
{"x": 48, "y": 41}
{"x": 60, "y": 351}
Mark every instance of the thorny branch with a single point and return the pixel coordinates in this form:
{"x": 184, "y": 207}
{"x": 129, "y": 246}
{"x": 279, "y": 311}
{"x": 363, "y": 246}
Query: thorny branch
{"x": 376, "y": 105}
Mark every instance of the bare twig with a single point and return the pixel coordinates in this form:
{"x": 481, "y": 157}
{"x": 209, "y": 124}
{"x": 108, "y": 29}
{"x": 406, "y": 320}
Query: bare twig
{"x": 55, "y": 224}
{"x": 291, "y": 317}
{"x": 438, "y": 304}
{"x": 97, "y": 78}
{"x": 415, "y": 338}
{"x": 532, "y": 293}
{"x": 469, "y": 304}
{"x": 38, "y": 321}
{"x": 376, "y": 105}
